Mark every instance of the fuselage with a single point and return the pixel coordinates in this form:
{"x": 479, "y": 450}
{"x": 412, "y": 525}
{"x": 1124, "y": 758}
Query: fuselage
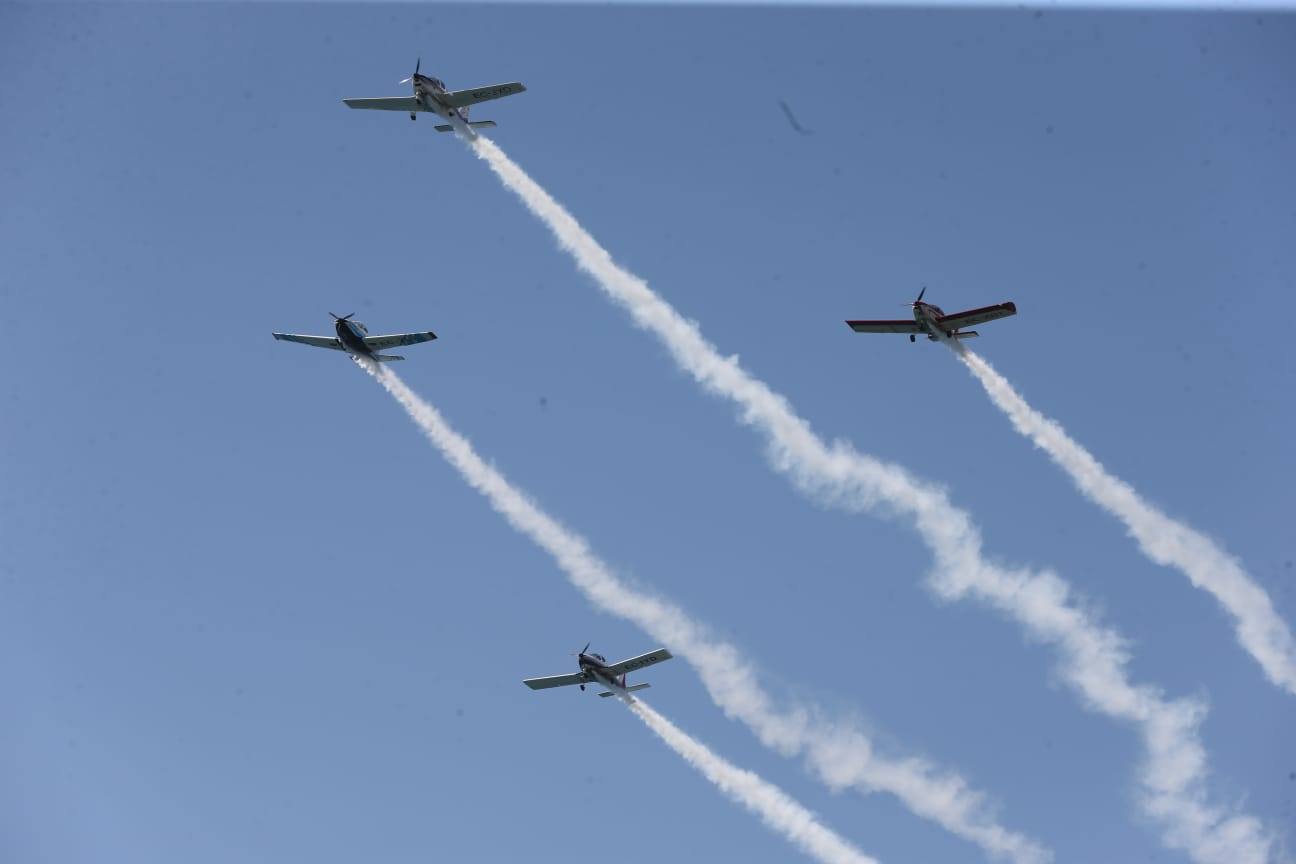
{"x": 428, "y": 92}
{"x": 352, "y": 336}
{"x": 596, "y": 665}
{"x": 928, "y": 315}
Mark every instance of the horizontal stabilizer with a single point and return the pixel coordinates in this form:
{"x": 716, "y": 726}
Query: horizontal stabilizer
{"x": 644, "y": 686}
{"x": 385, "y": 358}
{"x": 966, "y": 334}
{"x": 476, "y": 124}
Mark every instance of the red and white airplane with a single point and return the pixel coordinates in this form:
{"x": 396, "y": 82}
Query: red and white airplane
{"x": 932, "y": 321}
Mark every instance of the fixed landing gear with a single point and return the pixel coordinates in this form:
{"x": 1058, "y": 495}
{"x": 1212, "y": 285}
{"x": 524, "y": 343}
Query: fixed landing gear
{"x": 911, "y": 338}
{"x": 413, "y": 116}
{"x": 582, "y": 688}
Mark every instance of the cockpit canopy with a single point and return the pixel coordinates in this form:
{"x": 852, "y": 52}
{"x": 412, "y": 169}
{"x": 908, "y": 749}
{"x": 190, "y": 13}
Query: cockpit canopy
{"x": 600, "y": 658}
{"x": 437, "y": 83}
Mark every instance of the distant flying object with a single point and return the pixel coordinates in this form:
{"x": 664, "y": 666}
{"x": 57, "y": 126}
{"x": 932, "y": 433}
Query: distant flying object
{"x": 431, "y": 96}
{"x": 353, "y": 338}
{"x": 594, "y": 669}
{"x": 792, "y": 121}
{"x": 935, "y": 323}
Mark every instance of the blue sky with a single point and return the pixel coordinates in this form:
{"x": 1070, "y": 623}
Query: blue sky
{"x": 247, "y": 612}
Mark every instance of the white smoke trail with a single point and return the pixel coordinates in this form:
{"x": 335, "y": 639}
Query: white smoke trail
{"x": 1094, "y": 658}
{"x": 1261, "y": 631}
{"x": 775, "y": 808}
{"x": 843, "y": 756}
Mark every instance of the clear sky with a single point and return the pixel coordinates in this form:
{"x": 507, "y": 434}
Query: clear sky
{"x": 246, "y": 613}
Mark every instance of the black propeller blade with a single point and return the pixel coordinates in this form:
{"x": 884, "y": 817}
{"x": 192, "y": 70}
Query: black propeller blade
{"x": 342, "y": 317}
{"x": 920, "y": 294}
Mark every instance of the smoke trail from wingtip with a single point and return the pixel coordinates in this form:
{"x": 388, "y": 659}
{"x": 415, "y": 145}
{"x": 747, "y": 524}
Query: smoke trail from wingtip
{"x": 775, "y": 808}
{"x": 842, "y": 756}
{"x": 1261, "y": 631}
{"x": 1093, "y": 658}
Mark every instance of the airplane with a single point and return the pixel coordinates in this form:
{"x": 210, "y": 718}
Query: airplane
{"x": 431, "y": 96}
{"x": 353, "y": 338}
{"x": 933, "y": 321}
{"x": 594, "y": 669}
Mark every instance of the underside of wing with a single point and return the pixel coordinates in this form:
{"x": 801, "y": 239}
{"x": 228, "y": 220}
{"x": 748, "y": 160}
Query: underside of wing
{"x": 973, "y": 317}
{"x": 395, "y": 340}
{"x": 558, "y": 681}
{"x": 313, "y": 341}
{"x": 900, "y": 326}
{"x": 460, "y": 98}
{"x": 390, "y": 103}
{"x": 636, "y": 663}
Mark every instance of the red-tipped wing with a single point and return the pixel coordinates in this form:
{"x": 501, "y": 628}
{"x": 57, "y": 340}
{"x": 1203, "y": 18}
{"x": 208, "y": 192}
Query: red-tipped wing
{"x": 909, "y": 326}
{"x": 973, "y": 317}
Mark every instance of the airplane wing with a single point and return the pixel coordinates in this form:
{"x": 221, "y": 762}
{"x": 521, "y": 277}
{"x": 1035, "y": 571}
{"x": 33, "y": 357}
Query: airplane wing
{"x": 395, "y": 340}
{"x": 909, "y": 326}
{"x": 973, "y": 317}
{"x": 460, "y": 98}
{"x": 313, "y": 341}
{"x": 636, "y": 663}
{"x": 389, "y": 103}
{"x": 558, "y": 681}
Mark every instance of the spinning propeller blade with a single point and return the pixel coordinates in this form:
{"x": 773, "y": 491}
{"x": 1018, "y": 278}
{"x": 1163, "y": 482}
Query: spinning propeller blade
{"x": 417, "y": 64}
{"x": 919, "y": 299}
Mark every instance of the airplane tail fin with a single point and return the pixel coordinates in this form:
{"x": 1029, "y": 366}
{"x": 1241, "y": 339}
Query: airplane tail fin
{"x": 644, "y": 686}
{"x": 476, "y": 124}
{"x": 386, "y": 358}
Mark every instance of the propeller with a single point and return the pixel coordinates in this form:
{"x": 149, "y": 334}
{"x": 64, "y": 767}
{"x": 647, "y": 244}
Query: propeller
{"x": 342, "y": 317}
{"x": 417, "y": 64}
{"x": 583, "y": 650}
{"x": 919, "y": 299}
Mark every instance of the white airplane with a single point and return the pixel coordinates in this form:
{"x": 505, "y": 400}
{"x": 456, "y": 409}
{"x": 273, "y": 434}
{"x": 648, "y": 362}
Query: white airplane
{"x": 932, "y": 321}
{"x": 431, "y": 96}
{"x": 353, "y": 338}
{"x": 594, "y": 669}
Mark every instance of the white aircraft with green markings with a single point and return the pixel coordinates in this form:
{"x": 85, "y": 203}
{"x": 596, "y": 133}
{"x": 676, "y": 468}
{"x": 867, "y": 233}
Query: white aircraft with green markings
{"x": 432, "y": 97}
